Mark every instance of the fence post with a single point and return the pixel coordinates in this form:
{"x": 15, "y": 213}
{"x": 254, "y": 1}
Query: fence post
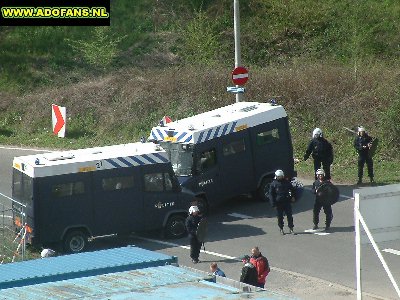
{"x": 358, "y": 244}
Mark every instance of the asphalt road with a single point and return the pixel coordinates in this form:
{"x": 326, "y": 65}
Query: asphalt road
{"x": 306, "y": 265}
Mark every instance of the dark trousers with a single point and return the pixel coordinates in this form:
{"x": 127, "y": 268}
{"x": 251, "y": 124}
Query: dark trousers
{"x": 326, "y": 166}
{"x": 327, "y": 210}
{"x": 362, "y": 159}
{"x": 284, "y": 207}
{"x": 260, "y": 285}
{"x": 195, "y": 247}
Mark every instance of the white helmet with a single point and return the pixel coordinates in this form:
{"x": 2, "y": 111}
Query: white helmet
{"x": 320, "y": 172}
{"x": 193, "y": 209}
{"x": 360, "y": 129}
{"x": 47, "y": 253}
{"x": 317, "y": 132}
{"x": 279, "y": 173}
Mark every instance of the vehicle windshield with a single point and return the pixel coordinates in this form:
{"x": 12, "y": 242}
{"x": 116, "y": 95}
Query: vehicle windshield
{"x": 22, "y": 187}
{"x": 181, "y": 157}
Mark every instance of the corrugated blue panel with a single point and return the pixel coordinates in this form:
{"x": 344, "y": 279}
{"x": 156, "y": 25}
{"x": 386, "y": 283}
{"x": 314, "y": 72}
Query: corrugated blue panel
{"x": 80, "y": 265}
{"x": 166, "y": 282}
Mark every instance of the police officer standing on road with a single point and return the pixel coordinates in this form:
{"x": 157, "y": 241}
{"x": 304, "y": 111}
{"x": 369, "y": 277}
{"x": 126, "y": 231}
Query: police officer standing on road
{"x": 363, "y": 143}
{"x": 318, "y": 205}
{"x": 281, "y": 192}
{"x": 321, "y": 151}
{"x": 192, "y": 222}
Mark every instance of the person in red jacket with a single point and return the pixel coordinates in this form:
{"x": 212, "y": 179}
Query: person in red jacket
{"x": 261, "y": 264}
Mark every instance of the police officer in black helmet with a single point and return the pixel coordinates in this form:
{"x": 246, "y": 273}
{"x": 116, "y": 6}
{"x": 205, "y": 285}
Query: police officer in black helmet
{"x": 281, "y": 192}
{"x": 318, "y": 205}
{"x": 321, "y": 151}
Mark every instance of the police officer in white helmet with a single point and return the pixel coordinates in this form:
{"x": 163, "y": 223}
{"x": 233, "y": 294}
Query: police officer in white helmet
{"x": 192, "y": 222}
{"x": 281, "y": 192}
{"x": 321, "y": 151}
{"x": 362, "y": 144}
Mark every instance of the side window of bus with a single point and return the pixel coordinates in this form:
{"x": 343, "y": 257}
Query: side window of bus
{"x": 117, "y": 183}
{"x": 207, "y": 160}
{"x": 267, "y": 137}
{"x": 153, "y": 182}
{"x": 68, "y": 189}
{"x": 234, "y": 147}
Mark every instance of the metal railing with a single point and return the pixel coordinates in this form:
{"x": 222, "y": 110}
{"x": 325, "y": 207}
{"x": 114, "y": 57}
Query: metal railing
{"x": 12, "y": 238}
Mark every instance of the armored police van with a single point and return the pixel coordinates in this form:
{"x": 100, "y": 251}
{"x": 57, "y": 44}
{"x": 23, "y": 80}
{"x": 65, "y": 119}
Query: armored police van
{"x": 229, "y": 151}
{"x": 73, "y": 195}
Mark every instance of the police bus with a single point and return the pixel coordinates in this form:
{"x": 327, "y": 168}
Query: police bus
{"x": 229, "y": 151}
{"x": 70, "y": 196}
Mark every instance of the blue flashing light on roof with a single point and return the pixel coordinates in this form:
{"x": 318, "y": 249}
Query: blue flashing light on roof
{"x": 273, "y": 102}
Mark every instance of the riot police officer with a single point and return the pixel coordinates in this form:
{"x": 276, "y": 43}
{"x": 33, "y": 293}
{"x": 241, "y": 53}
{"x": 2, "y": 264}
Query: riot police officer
{"x": 192, "y": 222}
{"x": 321, "y": 151}
{"x": 318, "y": 204}
{"x": 363, "y": 143}
{"x": 281, "y": 192}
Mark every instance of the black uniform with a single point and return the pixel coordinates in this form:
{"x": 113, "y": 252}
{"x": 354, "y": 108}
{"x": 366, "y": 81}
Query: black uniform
{"x": 322, "y": 153}
{"x": 281, "y": 192}
{"x": 249, "y": 274}
{"x": 361, "y": 145}
{"x": 192, "y": 223}
{"x": 318, "y": 205}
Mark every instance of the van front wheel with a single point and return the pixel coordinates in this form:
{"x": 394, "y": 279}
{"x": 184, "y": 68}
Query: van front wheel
{"x": 75, "y": 241}
{"x": 175, "y": 227}
{"x": 263, "y": 190}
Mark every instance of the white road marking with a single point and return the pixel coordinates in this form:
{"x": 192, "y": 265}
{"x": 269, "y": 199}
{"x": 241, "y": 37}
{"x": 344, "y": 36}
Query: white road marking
{"x": 24, "y": 149}
{"x": 184, "y": 247}
{"x": 397, "y": 252}
{"x": 240, "y": 216}
{"x": 317, "y": 231}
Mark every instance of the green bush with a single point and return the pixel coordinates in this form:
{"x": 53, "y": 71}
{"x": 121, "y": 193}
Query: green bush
{"x": 100, "y": 50}
{"x": 199, "y": 41}
{"x": 390, "y": 122}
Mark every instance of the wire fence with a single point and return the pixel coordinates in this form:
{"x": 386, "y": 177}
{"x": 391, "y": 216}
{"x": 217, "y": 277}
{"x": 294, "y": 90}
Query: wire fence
{"x": 12, "y": 232}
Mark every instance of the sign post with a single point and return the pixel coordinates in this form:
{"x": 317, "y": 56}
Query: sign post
{"x": 236, "y": 25}
{"x": 58, "y": 119}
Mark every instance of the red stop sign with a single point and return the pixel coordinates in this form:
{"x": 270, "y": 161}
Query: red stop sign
{"x": 240, "y": 75}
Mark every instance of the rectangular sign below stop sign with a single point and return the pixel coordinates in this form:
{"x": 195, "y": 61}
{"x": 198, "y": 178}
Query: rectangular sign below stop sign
{"x": 240, "y": 75}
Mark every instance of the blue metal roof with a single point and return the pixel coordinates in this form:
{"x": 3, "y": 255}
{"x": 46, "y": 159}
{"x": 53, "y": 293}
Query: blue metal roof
{"x": 80, "y": 265}
{"x": 116, "y": 274}
{"x": 163, "y": 282}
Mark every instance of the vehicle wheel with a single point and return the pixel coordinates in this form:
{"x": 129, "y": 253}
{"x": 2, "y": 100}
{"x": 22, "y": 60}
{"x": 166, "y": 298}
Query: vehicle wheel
{"x": 175, "y": 227}
{"x": 75, "y": 241}
{"x": 263, "y": 190}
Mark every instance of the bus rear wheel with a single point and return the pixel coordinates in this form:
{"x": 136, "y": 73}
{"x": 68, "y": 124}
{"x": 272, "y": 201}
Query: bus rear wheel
{"x": 175, "y": 227}
{"x": 75, "y": 241}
